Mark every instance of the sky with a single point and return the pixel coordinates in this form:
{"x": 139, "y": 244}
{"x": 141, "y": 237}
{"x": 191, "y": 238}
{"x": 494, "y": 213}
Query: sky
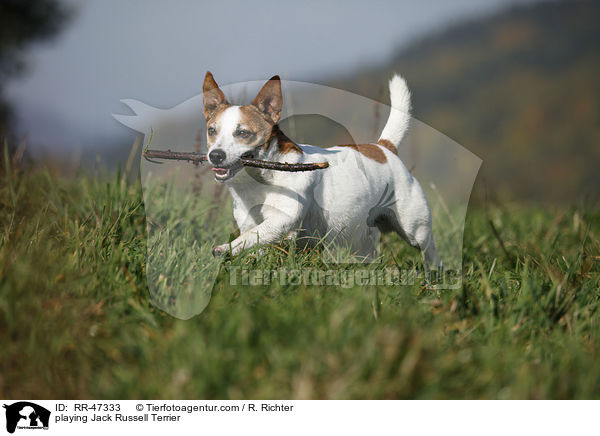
{"x": 158, "y": 52}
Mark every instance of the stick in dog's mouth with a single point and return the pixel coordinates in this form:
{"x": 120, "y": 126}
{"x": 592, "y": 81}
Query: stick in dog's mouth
{"x": 195, "y": 157}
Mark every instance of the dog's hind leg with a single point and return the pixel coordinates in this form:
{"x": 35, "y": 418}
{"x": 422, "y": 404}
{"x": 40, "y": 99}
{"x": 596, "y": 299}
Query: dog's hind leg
{"x": 425, "y": 242}
{"x": 414, "y": 228}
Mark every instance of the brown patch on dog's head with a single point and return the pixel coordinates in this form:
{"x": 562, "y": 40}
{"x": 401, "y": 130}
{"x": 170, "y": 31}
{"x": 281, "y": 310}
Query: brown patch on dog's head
{"x": 387, "y": 144}
{"x": 261, "y": 116}
{"x": 263, "y": 132}
{"x": 372, "y": 151}
{"x": 252, "y": 127}
{"x": 269, "y": 100}
{"x": 214, "y": 99}
{"x": 253, "y": 121}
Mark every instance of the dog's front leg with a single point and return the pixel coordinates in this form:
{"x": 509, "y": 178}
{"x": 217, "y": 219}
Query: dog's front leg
{"x": 276, "y": 226}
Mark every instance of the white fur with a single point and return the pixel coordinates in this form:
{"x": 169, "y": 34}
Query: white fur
{"x": 336, "y": 203}
{"x": 228, "y": 123}
{"x": 397, "y": 123}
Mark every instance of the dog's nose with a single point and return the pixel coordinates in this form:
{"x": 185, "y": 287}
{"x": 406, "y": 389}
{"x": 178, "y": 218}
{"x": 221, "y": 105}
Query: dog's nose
{"x": 216, "y": 156}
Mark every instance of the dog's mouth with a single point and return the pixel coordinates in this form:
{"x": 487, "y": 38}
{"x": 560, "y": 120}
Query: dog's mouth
{"x": 226, "y": 173}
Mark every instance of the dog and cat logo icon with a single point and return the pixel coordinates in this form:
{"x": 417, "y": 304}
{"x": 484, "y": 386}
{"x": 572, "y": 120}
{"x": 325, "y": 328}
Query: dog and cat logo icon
{"x": 26, "y": 415}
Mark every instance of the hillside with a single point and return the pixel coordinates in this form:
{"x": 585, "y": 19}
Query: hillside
{"x": 519, "y": 89}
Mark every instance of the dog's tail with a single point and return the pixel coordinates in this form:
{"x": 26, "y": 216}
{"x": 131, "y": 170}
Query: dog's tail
{"x": 397, "y": 123}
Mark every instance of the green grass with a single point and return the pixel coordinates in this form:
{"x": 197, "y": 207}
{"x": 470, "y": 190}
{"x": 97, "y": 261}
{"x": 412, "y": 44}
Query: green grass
{"x": 76, "y": 320}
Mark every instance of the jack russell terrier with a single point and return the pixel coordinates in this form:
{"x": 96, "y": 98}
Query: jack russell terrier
{"x": 366, "y": 189}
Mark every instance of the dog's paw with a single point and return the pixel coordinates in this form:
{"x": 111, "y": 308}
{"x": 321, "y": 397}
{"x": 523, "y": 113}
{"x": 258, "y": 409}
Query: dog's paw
{"x": 220, "y": 250}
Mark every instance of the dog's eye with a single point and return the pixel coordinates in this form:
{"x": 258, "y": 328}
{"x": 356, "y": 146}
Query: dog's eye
{"x": 212, "y": 131}
{"x": 244, "y": 133}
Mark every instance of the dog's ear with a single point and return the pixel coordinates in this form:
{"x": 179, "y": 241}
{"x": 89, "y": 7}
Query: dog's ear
{"x": 213, "y": 96}
{"x": 269, "y": 99}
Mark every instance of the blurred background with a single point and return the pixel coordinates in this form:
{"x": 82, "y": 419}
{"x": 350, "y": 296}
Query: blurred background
{"x": 513, "y": 81}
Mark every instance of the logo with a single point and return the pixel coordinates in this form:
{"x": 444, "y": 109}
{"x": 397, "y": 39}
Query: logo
{"x": 26, "y": 415}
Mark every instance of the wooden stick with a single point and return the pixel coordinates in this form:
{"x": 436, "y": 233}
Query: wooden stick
{"x": 279, "y": 166}
{"x": 249, "y": 162}
{"x": 175, "y": 155}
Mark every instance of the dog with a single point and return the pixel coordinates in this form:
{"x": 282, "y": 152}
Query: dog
{"x": 365, "y": 191}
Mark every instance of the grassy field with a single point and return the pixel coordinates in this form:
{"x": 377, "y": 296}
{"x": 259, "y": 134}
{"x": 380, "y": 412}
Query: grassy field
{"x": 76, "y": 319}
